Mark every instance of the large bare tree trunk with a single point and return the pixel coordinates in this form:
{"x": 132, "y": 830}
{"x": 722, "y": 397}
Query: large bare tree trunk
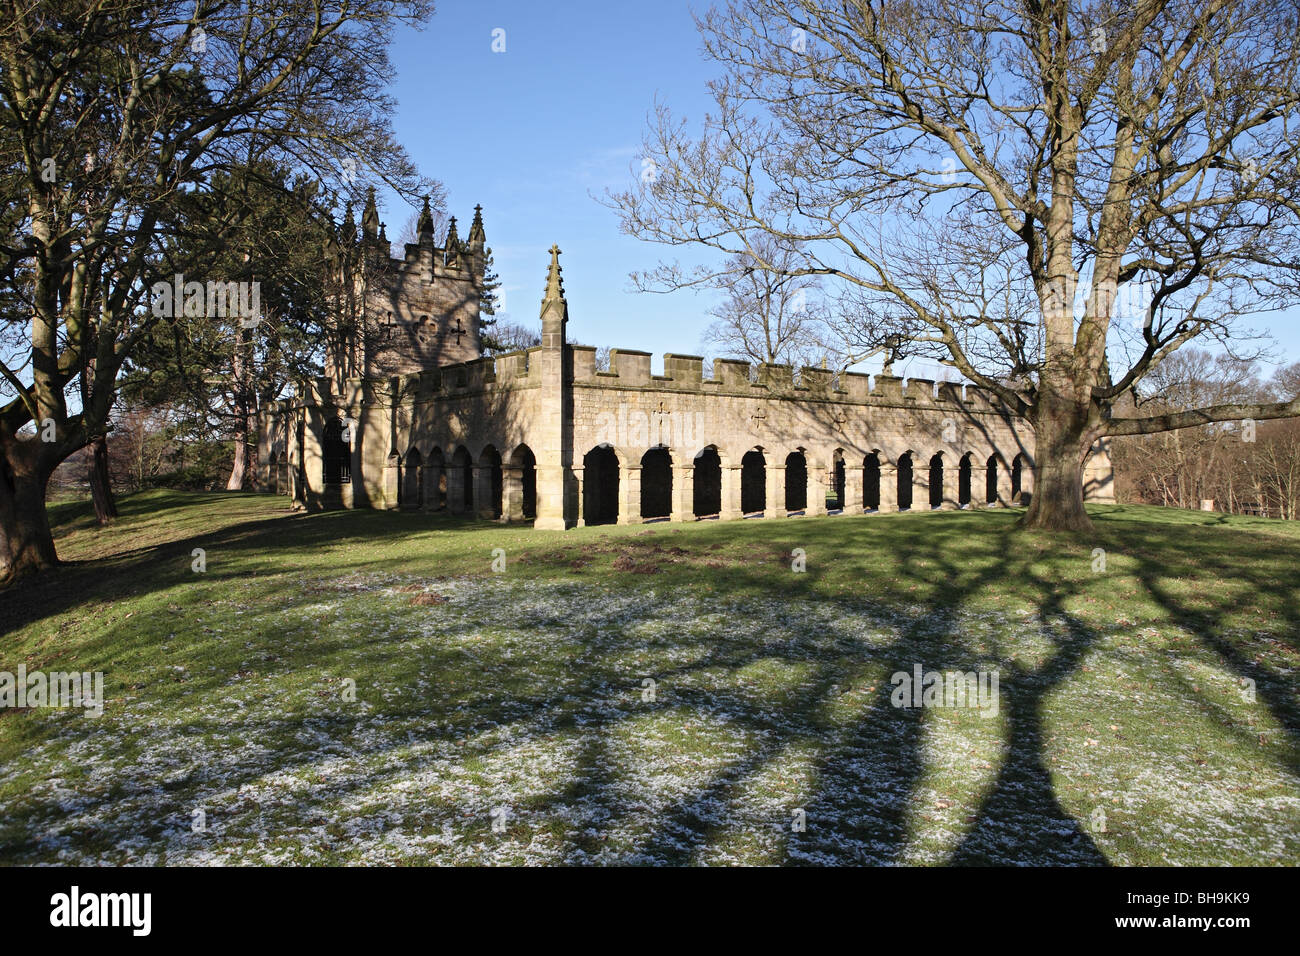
{"x": 1062, "y": 439}
{"x": 101, "y": 488}
{"x": 26, "y": 544}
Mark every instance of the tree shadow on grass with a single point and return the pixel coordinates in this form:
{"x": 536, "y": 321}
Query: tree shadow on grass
{"x": 867, "y": 772}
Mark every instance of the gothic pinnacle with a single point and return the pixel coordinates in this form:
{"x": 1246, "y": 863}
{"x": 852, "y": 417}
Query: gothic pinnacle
{"x": 424, "y": 227}
{"x": 554, "y": 298}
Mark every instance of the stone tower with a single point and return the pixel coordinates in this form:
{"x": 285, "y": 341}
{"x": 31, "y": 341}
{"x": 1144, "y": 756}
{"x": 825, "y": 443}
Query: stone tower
{"x": 395, "y": 316}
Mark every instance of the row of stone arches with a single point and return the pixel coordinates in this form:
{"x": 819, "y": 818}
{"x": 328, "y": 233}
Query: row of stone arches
{"x": 489, "y": 486}
{"x": 976, "y": 483}
{"x": 496, "y": 487}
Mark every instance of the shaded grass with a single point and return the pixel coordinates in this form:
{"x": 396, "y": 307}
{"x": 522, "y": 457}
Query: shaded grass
{"x": 1122, "y": 689}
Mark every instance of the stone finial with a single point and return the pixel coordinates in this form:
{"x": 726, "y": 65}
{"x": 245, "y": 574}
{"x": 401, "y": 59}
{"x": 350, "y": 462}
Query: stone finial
{"x": 370, "y": 216}
{"x": 476, "y": 234}
{"x": 554, "y": 304}
{"x": 349, "y": 224}
{"x": 424, "y": 226}
{"x": 454, "y": 247}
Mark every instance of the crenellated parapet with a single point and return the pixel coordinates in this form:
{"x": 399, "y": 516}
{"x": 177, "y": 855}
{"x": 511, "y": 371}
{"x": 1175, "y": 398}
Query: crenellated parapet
{"x": 542, "y": 434}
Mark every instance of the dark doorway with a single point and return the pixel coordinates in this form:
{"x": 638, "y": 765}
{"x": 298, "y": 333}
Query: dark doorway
{"x": 905, "y": 482}
{"x": 796, "y": 482}
{"x": 600, "y": 486}
{"x": 656, "y": 483}
{"x": 707, "y": 491}
{"x": 936, "y": 481}
{"x": 871, "y": 482}
{"x": 753, "y": 483}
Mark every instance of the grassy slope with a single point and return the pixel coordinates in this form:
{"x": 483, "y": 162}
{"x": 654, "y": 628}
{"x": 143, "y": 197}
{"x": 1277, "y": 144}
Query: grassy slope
{"x": 1125, "y": 732}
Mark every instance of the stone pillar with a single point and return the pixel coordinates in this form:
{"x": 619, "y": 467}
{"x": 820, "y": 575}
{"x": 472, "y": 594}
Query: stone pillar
{"x": 552, "y": 444}
{"x": 683, "y": 508}
{"x": 814, "y": 489}
{"x": 579, "y": 489}
{"x": 951, "y": 485}
{"x": 888, "y": 488}
{"x": 921, "y": 485}
{"x": 730, "y": 493}
{"x": 852, "y": 489}
{"x": 1004, "y": 484}
{"x": 774, "y": 507}
{"x": 512, "y": 493}
{"x": 456, "y": 489}
{"x": 432, "y": 475}
{"x": 484, "y": 505}
{"x": 392, "y": 474}
{"x": 629, "y": 494}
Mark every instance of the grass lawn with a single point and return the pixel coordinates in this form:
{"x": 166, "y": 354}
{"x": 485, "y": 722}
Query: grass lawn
{"x": 654, "y": 694}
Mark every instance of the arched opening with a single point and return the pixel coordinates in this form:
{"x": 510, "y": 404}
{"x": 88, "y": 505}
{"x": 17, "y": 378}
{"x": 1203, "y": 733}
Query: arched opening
{"x": 336, "y": 450}
{"x": 991, "y": 480}
{"x": 871, "y": 482}
{"x": 707, "y": 489}
{"x": 521, "y": 485}
{"x": 489, "y": 466}
{"x": 656, "y": 483}
{"x": 905, "y": 482}
{"x": 936, "y": 481}
{"x": 963, "y": 481}
{"x": 435, "y": 481}
{"x": 835, "y": 499}
{"x": 753, "y": 483}
{"x": 796, "y": 482}
{"x": 600, "y": 486}
{"x": 461, "y": 483}
{"x": 411, "y": 494}
{"x": 1017, "y": 467}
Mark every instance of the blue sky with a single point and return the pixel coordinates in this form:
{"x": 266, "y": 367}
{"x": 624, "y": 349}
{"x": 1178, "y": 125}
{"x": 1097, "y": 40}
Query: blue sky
{"x": 536, "y": 132}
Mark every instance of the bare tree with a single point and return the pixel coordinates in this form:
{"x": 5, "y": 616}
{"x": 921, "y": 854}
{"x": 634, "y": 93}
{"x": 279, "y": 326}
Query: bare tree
{"x": 770, "y": 312}
{"x": 110, "y": 113}
{"x": 928, "y": 153}
{"x": 513, "y": 337}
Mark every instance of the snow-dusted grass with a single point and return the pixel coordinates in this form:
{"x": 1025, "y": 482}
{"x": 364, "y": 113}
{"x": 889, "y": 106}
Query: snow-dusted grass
{"x": 1125, "y": 732}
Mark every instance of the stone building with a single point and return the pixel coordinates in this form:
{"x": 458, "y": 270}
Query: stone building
{"x": 408, "y": 416}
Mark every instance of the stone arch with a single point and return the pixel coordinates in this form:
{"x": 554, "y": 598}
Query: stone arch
{"x": 796, "y": 481}
{"x": 871, "y": 482}
{"x": 521, "y": 485}
{"x": 991, "y": 480}
{"x": 1017, "y": 477}
{"x": 460, "y": 482}
{"x": 753, "y": 482}
{"x": 706, "y": 486}
{"x": 936, "y": 480}
{"x": 964, "y": 470}
{"x": 905, "y": 466}
{"x": 657, "y": 483}
{"x": 600, "y": 486}
{"x": 411, "y": 487}
{"x": 835, "y": 499}
{"x": 491, "y": 483}
{"x": 336, "y": 453}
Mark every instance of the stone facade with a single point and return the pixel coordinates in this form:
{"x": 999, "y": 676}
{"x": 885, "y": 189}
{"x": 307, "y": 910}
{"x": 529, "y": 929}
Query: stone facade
{"x": 542, "y": 436}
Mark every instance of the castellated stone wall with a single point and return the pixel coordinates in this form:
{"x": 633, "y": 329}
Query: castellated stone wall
{"x": 542, "y": 436}
{"x": 518, "y": 438}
